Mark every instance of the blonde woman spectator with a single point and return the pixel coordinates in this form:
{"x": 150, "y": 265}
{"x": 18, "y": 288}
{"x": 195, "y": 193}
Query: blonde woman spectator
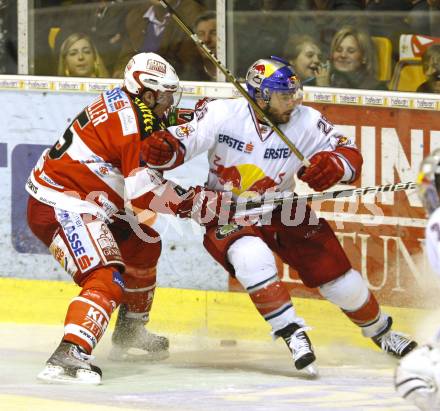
{"x": 305, "y": 56}
{"x": 353, "y": 60}
{"x": 79, "y": 58}
{"x": 431, "y": 68}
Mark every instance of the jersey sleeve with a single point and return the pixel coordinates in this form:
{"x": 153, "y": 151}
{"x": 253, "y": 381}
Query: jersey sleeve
{"x": 343, "y": 146}
{"x": 198, "y": 135}
{"x": 148, "y": 189}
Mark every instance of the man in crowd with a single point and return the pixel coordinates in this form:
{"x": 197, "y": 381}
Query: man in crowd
{"x": 206, "y": 29}
{"x": 150, "y": 28}
{"x": 247, "y": 158}
{"x": 79, "y": 190}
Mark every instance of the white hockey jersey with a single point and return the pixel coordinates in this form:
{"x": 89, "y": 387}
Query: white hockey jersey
{"x": 247, "y": 157}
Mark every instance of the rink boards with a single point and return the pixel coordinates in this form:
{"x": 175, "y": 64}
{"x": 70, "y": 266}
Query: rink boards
{"x": 383, "y": 236}
{"x": 223, "y": 315}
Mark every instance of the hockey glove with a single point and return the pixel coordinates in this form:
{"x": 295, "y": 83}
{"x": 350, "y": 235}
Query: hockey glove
{"x": 161, "y": 150}
{"x": 207, "y": 207}
{"x": 325, "y": 170}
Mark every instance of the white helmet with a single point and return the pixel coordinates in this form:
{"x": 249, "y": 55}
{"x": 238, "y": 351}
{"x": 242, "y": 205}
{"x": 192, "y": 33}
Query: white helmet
{"x": 149, "y": 71}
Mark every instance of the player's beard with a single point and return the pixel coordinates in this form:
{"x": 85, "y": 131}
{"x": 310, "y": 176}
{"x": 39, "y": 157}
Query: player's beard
{"x": 276, "y": 116}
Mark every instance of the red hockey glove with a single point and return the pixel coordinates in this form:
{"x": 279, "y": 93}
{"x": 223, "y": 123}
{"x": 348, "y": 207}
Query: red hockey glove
{"x": 325, "y": 170}
{"x": 161, "y": 150}
{"x": 207, "y": 207}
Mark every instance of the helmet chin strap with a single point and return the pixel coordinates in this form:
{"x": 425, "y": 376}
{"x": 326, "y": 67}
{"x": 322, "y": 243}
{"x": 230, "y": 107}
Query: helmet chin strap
{"x": 265, "y": 110}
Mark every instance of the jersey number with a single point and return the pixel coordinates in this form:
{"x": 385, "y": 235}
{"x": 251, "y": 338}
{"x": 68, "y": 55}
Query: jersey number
{"x": 61, "y": 146}
{"x": 324, "y": 125}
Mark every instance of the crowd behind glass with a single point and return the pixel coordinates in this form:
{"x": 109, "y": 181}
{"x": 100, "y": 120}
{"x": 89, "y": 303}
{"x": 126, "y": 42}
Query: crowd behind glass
{"x": 358, "y": 44}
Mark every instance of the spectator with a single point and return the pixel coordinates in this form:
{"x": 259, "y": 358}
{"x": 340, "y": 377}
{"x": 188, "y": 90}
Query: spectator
{"x": 150, "y": 28}
{"x": 431, "y": 68}
{"x": 305, "y": 56}
{"x": 206, "y": 29}
{"x": 353, "y": 60}
{"x": 79, "y": 58}
{"x": 105, "y": 25}
{"x": 327, "y": 17}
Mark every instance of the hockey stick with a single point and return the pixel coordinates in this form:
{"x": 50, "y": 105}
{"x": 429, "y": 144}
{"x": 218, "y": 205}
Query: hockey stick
{"x": 229, "y": 76}
{"x": 328, "y": 195}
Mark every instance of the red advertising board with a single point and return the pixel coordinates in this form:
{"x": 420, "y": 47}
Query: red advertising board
{"x": 382, "y": 235}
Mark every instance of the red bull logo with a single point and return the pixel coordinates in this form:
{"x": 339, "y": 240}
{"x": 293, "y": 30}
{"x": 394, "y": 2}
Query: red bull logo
{"x": 227, "y": 176}
{"x": 245, "y": 180}
{"x": 260, "y": 69}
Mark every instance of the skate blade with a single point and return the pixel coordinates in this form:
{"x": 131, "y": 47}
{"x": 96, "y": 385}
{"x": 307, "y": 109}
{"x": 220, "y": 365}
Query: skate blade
{"x": 312, "y": 370}
{"x": 134, "y": 355}
{"x": 53, "y": 374}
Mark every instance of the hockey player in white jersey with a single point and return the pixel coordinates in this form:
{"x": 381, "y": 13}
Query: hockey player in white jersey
{"x": 247, "y": 158}
{"x": 417, "y": 377}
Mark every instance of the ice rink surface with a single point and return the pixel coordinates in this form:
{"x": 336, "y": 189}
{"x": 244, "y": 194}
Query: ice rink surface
{"x": 200, "y": 374}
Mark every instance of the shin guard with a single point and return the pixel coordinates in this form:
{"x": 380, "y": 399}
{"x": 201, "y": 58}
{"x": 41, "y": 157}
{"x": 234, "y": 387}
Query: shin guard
{"x": 88, "y": 314}
{"x": 368, "y": 317}
{"x": 140, "y": 284}
{"x": 272, "y": 300}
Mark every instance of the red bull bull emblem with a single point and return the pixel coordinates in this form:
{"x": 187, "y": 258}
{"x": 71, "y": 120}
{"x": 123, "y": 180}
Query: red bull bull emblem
{"x": 227, "y": 176}
{"x": 245, "y": 179}
{"x": 260, "y": 68}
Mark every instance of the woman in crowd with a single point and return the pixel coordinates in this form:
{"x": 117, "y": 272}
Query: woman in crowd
{"x": 305, "y": 55}
{"x": 353, "y": 60}
{"x": 79, "y": 58}
{"x": 431, "y": 68}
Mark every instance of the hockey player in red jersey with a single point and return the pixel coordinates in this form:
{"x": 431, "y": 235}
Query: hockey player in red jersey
{"x": 79, "y": 190}
{"x": 246, "y": 158}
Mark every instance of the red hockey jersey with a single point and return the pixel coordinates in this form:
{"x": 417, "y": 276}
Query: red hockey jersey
{"x": 97, "y": 166}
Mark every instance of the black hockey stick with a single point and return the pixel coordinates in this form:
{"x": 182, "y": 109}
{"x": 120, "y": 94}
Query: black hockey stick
{"x": 229, "y": 76}
{"x": 327, "y": 195}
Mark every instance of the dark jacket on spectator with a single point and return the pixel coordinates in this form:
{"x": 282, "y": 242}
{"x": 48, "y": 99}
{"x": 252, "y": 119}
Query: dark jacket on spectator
{"x": 174, "y": 45}
{"x": 356, "y": 80}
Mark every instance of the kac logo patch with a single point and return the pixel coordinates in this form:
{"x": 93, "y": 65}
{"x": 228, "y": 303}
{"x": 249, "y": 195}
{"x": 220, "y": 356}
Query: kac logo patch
{"x": 226, "y": 230}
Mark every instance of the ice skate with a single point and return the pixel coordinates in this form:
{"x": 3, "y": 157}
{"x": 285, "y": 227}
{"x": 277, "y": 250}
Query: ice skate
{"x": 393, "y": 342}
{"x": 133, "y": 342}
{"x": 69, "y": 364}
{"x": 300, "y": 346}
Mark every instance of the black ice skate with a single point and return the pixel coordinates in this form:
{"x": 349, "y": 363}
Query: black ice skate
{"x": 70, "y": 364}
{"x": 133, "y": 342}
{"x": 300, "y": 346}
{"x": 393, "y": 342}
